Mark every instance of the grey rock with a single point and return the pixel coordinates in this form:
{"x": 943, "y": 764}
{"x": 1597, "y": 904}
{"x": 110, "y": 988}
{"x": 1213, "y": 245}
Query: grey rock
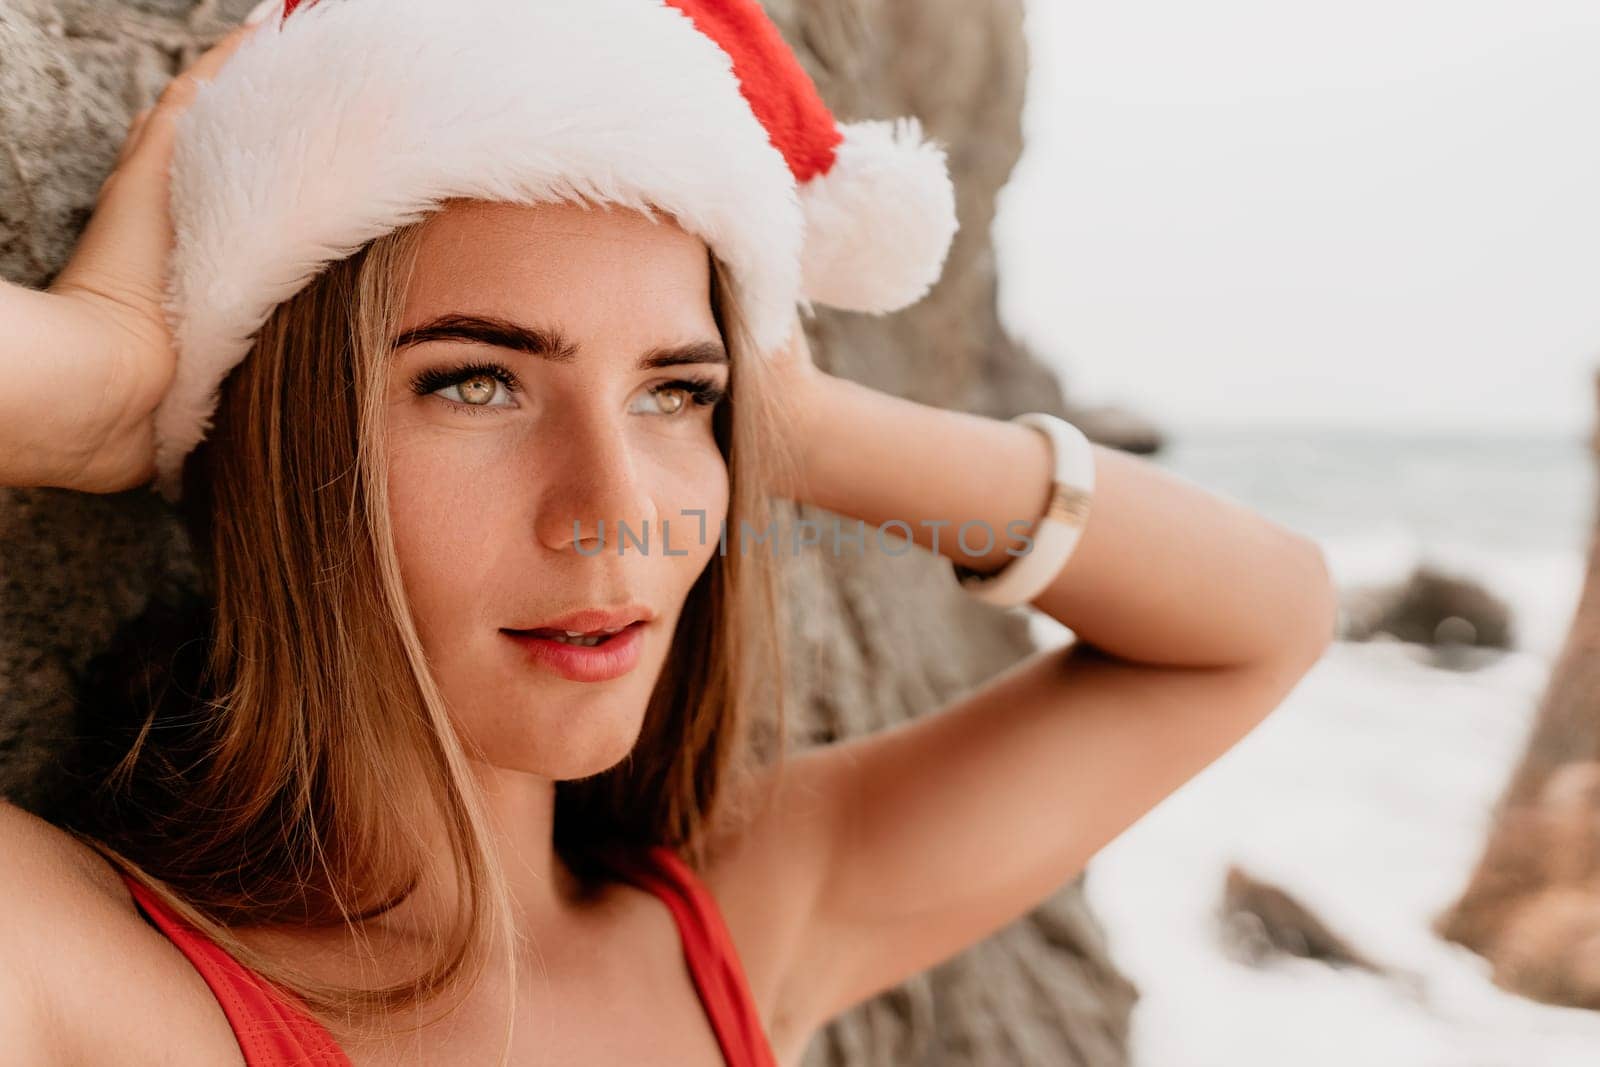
{"x": 1431, "y": 607}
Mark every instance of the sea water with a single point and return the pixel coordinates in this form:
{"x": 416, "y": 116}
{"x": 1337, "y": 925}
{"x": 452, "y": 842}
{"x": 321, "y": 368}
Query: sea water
{"x": 1368, "y": 792}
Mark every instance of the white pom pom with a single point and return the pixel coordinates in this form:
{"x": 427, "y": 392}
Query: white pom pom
{"x": 880, "y": 222}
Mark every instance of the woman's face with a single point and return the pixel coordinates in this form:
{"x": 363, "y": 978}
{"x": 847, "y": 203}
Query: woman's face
{"x": 522, "y": 401}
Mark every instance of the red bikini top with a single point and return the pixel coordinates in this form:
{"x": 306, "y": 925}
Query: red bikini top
{"x": 275, "y": 1030}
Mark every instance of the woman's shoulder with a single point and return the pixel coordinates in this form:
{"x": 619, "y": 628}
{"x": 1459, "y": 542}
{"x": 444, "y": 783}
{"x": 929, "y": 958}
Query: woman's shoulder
{"x": 44, "y": 857}
{"x": 86, "y": 978}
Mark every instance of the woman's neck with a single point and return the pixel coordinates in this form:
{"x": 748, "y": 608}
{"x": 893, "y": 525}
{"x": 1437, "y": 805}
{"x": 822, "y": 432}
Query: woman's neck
{"x": 521, "y": 810}
{"x": 549, "y": 902}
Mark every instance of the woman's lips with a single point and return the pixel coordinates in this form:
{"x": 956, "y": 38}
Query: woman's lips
{"x": 611, "y": 658}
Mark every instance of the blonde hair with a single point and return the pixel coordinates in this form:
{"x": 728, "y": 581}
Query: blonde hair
{"x": 290, "y": 728}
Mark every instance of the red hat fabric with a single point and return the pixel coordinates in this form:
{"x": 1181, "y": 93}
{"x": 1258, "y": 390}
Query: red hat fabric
{"x": 777, "y": 88}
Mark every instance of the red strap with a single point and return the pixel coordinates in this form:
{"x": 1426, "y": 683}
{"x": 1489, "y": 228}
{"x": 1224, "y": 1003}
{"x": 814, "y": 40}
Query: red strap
{"x": 713, "y": 959}
{"x": 275, "y": 1032}
{"x": 271, "y": 1030}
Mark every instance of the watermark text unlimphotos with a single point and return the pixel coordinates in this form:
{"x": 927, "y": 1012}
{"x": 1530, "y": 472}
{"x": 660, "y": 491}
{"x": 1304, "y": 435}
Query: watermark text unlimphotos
{"x": 975, "y": 537}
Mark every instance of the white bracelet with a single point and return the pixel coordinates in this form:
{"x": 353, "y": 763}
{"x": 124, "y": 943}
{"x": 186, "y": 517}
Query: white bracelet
{"x": 1056, "y": 534}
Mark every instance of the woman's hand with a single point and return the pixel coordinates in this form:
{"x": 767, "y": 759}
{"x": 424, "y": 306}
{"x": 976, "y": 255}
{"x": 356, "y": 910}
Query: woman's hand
{"x": 800, "y": 386}
{"x": 93, "y": 355}
{"x": 792, "y": 364}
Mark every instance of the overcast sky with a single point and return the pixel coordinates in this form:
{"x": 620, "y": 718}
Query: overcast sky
{"x": 1372, "y": 212}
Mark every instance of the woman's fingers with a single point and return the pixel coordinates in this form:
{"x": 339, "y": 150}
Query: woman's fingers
{"x": 131, "y": 139}
{"x": 156, "y": 130}
{"x": 121, "y": 253}
{"x": 211, "y": 61}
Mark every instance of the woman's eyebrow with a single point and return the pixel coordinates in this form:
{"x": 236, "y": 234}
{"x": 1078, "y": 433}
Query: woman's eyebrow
{"x": 693, "y": 352}
{"x": 544, "y": 342}
{"x": 488, "y": 330}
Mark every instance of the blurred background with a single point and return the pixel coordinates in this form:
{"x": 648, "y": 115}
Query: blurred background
{"x": 1338, "y": 262}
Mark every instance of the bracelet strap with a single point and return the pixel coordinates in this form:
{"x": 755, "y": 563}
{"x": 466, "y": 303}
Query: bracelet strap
{"x": 1056, "y": 533}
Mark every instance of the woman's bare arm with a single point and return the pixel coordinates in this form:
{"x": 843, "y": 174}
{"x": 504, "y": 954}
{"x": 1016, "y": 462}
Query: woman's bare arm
{"x": 23, "y": 1017}
{"x": 1195, "y": 617}
{"x": 84, "y": 979}
{"x": 52, "y": 945}
{"x": 63, "y": 387}
{"x": 84, "y": 364}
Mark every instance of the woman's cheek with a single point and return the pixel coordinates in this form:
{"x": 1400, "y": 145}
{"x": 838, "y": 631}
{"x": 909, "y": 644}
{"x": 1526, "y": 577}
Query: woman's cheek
{"x": 695, "y": 505}
{"x": 443, "y": 516}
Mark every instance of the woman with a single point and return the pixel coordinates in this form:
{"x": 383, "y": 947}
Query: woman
{"x": 440, "y": 741}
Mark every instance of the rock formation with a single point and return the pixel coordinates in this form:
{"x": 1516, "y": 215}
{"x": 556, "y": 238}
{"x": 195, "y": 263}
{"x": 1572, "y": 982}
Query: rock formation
{"x": 1532, "y": 905}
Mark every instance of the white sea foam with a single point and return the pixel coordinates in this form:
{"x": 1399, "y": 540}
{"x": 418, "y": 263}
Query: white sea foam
{"x": 1367, "y": 795}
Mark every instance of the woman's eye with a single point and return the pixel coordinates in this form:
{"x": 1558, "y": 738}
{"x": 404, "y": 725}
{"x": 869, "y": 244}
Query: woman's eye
{"x": 474, "y": 386}
{"x": 685, "y": 394}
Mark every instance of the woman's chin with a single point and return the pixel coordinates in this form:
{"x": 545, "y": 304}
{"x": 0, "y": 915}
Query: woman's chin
{"x": 565, "y": 750}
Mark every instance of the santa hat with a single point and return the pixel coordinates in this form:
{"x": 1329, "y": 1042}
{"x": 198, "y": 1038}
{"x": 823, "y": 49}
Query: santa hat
{"x": 342, "y": 120}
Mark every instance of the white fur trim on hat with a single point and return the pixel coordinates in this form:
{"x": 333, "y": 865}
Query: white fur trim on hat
{"x": 352, "y": 118}
{"x": 879, "y": 223}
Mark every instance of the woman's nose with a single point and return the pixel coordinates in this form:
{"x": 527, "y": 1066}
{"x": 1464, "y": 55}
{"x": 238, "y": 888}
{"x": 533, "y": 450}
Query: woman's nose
{"x": 591, "y": 485}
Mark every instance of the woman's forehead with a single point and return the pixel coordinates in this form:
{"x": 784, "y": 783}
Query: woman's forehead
{"x": 489, "y": 227}
{"x": 582, "y": 266}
